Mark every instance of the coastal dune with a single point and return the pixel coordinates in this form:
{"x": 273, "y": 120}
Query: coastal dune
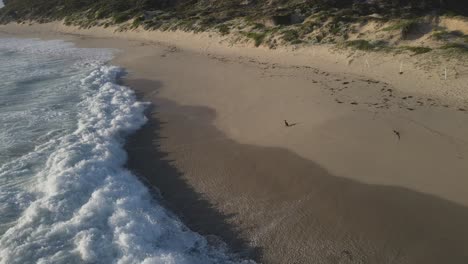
{"x": 373, "y": 169}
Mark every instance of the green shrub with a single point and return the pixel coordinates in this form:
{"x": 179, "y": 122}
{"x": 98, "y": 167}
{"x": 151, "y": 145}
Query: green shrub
{"x": 137, "y": 21}
{"x": 405, "y": 26}
{"x": 184, "y": 24}
{"x": 208, "y": 21}
{"x": 335, "y": 29}
{"x": 455, "y": 47}
{"x": 444, "y": 35}
{"x": 309, "y": 27}
{"x": 440, "y": 35}
{"x": 360, "y": 44}
{"x": 223, "y": 29}
{"x": 417, "y": 50}
{"x": 121, "y": 17}
{"x": 297, "y": 41}
{"x": 258, "y": 26}
{"x": 321, "y": 16}
{"x": 100, "y": 14}
{"x": 257, "y": 37}
{"x": 290, "y": 35}
{"x": 68, "y": 21}
{"x": 450, "y": 13}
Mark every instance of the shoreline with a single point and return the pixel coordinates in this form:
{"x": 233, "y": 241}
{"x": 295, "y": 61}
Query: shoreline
{"x": 313, "y": 192}
{"x": 429, "y": 71}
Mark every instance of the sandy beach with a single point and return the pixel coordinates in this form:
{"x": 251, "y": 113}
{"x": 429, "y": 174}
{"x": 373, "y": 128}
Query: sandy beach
{"x": 373, "y": 168}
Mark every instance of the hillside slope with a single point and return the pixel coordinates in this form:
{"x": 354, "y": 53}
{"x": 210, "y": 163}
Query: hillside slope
{"x": 222, "y": 9}
{"x": 414, "y": 26}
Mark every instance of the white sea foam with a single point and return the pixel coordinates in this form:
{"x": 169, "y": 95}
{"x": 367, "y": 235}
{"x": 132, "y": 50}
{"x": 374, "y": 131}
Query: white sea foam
{"x": 81, "y": 205}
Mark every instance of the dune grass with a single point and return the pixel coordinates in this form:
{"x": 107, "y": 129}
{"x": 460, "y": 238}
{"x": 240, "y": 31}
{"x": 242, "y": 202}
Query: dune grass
{"x": 256, "y": 36}
{"x": 417, "y": 50}
{"x": 365, "y": 45}
{"x": 455, "y": 47}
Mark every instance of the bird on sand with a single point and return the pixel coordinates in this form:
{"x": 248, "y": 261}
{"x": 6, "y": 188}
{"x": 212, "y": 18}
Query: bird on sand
{"x": 397, "y": 134}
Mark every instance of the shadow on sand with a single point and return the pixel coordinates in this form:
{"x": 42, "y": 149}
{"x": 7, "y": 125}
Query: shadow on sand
{"x": 291, "y": 208}
{"x": 152, "y": 164}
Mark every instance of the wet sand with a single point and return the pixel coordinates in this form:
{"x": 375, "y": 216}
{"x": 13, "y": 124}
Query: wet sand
{"x": 338, "y": 187}
{"x": 271, "y": 205}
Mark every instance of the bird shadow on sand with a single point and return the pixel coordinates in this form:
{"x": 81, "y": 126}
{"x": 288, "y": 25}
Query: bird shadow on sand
{"x": 287, "y": 124}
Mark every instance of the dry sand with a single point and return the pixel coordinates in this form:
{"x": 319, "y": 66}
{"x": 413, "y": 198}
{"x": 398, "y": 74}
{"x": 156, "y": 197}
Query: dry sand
{"x": 340, "y": 186}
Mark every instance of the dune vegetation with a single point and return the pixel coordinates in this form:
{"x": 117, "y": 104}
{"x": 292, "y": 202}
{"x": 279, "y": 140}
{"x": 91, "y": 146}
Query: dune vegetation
{"x": 378, "y": 25}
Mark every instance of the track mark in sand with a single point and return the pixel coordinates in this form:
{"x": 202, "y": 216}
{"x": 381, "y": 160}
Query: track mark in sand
{"x": 452, "y": 139}
{"x": 169, "y": 50}
{"x": 347, "y": 254}
{"x": 380, "y": 95}
{"x": 353, "y": 90}
{"x": 219, "y": 58}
